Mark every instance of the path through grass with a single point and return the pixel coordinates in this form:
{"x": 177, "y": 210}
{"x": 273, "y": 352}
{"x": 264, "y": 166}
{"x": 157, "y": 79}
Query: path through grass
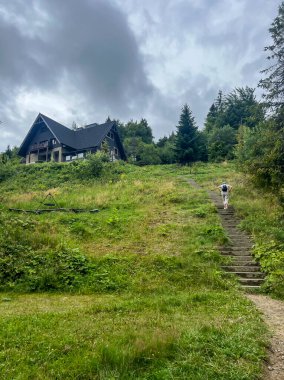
{"x": 133, "y": 292}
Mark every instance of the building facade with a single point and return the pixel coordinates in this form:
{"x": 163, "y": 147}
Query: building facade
{"x": 48, "y": 140}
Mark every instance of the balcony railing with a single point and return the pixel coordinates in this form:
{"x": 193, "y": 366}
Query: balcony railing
{"x": 41, "y": 145}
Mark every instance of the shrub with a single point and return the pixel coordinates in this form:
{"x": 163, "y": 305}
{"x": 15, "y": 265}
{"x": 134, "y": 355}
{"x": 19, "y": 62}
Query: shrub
{"x": 95, "y": 163}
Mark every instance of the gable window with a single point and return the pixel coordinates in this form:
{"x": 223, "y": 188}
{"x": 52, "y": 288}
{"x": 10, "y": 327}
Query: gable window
{"x": 53, "y": 141}
{"x": 110, "y": 135}
{"x": 43, "y": 144}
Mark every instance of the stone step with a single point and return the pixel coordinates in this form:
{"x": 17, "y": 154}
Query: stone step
{"x": 233, "y": 248}
{"x": 240, "y": 239}
{"x": 228, "y": 215}
{"x": 246, "y": 250}
{"x": 230, "y": 228}
{"x": 228, "y": 218}
{"x": 249, "y": 275}
{"x": 242, "y": 263}
{"x": 240, "y": 259}
{"x": 230, "y": 224}
{"x": 251, "y": 281}
{"x": 250, "y": 288}
{"x": 241, "y": 268}
{"x": 241, "y": 233}
{"x": 237, "y": 253}
{"x": 240, "y": 243}
{"x": 248, "y": 261}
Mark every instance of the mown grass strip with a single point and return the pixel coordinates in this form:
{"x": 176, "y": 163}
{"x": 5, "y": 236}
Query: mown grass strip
{"x": 133, "y": 292}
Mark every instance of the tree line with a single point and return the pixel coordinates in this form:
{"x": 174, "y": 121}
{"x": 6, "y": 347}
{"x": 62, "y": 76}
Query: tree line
{"x": 237, "y": 126}
{"x": 216, "y": 142}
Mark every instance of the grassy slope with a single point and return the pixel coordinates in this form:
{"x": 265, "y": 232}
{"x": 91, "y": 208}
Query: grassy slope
{"x": 262, "y": 217}
{"x": 147, "y": 301}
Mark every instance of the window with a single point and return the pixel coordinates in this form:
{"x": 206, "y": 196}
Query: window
{"x": 80, "y": 155}
{"x": 110, "y": 135}
{"x": 53, "y": 141}
{"x": 68, "y": 158}
{"x": 43, "y": 144}
{"x": 116, "y": 151}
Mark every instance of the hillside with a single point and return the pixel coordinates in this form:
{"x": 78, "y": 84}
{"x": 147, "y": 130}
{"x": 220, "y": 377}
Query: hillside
{"x": 134, "y": 291}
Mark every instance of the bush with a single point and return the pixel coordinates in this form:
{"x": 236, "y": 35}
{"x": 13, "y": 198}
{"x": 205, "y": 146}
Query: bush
{"x": 95, "y": 163}
{"x": 7, "y": 170}
{"x": 270, "y": 254}
{"x": 24, "y": 269}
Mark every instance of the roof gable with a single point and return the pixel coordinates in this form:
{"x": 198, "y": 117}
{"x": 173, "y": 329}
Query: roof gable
{"x": 90, "y": 136}
{"x": 63, "y": 134}
{"x": 32, "y": 132}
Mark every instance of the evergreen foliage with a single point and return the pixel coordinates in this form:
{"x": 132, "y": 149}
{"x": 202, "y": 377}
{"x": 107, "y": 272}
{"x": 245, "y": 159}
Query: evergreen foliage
{"x": 260, "y": 150}
{"x": 221, "y": 142}
{"x": 137, "y": 138}
{"x": 166, "y": 149}
{"x": 148, "y": 155}
{"x": 224, "y": 118}
{"x": 186, "y": 146}
{"x": 136, "y": 129}
{"x": 273, "y": 84}
{"x": 10, "y": 155}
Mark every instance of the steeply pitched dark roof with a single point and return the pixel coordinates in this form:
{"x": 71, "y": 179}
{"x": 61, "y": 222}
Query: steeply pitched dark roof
{"x": 90, "y": 136}
{"x": 63, "y": 134}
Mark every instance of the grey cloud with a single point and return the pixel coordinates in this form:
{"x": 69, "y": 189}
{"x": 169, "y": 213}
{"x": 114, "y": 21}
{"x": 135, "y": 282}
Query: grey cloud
{"x": 198, "y": 92}
{"x": 89, "y": 43}
{"x": 100, "y": 50}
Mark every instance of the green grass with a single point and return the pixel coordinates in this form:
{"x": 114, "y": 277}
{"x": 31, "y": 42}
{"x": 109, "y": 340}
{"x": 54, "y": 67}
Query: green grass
{"x": 262, "y": 217}
{"x": 132, "y": 292}
{"x": 184, "y": 335}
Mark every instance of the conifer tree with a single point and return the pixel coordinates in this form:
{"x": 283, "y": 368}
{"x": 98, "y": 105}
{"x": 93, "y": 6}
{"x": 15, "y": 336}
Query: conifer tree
{"x": 186, "y": 145}
{"x": 274, "y": 83}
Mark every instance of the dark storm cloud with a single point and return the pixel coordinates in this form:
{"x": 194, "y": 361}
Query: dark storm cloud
{"x": 94, "y": 57}
{"x": 95, "y": 44}
{"x": 88, "y": 43}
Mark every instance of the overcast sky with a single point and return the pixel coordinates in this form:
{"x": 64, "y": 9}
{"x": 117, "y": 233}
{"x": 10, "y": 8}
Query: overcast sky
{"x": 85, "y": 60}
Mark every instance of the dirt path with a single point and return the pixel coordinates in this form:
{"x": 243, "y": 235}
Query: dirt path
{"x": 273, "y": 314}
{"x": 272, "y": 310}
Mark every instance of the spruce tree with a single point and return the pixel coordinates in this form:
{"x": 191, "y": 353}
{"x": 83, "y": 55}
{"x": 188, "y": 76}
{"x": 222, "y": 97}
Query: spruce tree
{"x": 274, "y": 83}
{"x": 186, "y": 146}
{"x": 211, "y": 118}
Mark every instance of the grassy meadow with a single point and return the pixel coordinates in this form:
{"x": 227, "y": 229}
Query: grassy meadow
{"x": 134, "y": 291}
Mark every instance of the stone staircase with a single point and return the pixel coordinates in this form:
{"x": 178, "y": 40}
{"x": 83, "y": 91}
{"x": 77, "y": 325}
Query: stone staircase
{"x": 238, "y": 251}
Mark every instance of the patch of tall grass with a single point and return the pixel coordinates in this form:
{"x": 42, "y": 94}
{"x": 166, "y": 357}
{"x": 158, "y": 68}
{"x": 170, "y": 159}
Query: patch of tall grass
{"x": 134, "y": 291}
